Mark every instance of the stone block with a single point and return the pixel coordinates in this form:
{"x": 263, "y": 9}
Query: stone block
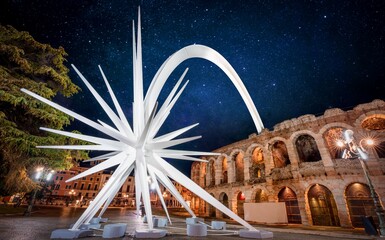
{"x": 115, "y": 230}
{"x": 95, "y": 220}
{"x": 218, "y": 225}
{"x": 193, "y": 220}
{"x": 160, "y": 222}
{"x": 147, "y": 234}
{"x": 196, "y": 230}
{"x": 70, "y": 234}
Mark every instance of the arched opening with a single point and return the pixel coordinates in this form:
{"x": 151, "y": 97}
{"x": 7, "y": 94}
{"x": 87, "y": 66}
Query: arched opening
{"x": 380, "y": 149}
{"x": 224, "y": 199}
{"x": 257, "y": 156}
{"x": 289, "y": 197}
{"x": 323, "y": 207}
{"x": 210, "y": 209}
{"x": 225, "y": 178}
{"x": 239, "y": 168}
{"x": 307, "y": 149}
{"x": 257, "y": 166}
{"x": 375, "y": 122}
{"x": 280, "y": 155}
{"x": 240, "y": 201}
{"x": 260, "y": 196}
{"x": 359, "y": 203}
{"x": 212, "y": 173}
{"x": 331, "y": 136}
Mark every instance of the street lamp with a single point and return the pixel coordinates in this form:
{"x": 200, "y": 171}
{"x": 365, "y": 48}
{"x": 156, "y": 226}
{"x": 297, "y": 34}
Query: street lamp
{"x": 71, "y": 193}
{"x": 355, "y": 150}
{"x": 41, "y": 176}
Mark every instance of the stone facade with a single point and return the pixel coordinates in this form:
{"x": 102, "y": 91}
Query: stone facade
{"x": 299, "y": 163}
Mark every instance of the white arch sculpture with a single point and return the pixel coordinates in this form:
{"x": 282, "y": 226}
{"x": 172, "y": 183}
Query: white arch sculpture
{"x": 138, "y": 148}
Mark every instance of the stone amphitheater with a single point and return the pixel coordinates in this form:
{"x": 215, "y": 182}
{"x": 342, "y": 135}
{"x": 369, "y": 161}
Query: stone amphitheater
{"x": 300, "y": 164}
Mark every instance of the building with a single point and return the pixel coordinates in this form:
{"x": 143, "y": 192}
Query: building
{"x": 300, "y": 164}
{"x": 80, "y": 192}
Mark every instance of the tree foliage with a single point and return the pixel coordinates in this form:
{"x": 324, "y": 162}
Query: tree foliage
{"x": 26, "y": 63}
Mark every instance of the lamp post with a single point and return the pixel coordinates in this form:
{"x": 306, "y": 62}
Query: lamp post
{"x": 355, "y": 150}
{"x": 72, "y": 194}
{"x": 41, "y": 175}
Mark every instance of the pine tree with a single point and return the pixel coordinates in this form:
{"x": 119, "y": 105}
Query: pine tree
{"x": 26, "y": 63}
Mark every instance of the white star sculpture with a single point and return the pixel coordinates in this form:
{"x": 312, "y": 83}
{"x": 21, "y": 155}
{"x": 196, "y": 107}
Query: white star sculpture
{"x": 139, "y": 148}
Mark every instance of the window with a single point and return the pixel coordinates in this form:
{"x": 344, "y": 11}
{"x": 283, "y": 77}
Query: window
{"x": 91, "y": 179}
{"x": 97, "y": 179}
{"x": 82, "y": 186}
{"x": 75, "y": 185}
{"x": 84, "y": 178}
{"x": 61, "y": 178}
{"x": 96, "y": 187}
{"x": 89, "y": 187}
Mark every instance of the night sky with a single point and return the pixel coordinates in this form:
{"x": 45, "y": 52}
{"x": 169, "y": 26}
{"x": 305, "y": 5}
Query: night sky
{"x": 294, "y": 57}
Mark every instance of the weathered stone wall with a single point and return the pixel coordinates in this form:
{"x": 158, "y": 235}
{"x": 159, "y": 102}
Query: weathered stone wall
{"x": 335, "y": 174}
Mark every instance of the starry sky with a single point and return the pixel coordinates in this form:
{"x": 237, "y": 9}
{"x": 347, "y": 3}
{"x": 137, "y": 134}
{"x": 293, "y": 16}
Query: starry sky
{"x": 294, "y": 57}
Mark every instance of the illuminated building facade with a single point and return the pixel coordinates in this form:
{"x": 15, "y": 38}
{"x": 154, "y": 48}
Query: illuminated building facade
{"x": 299, "y": 163}
{"x": 80, "y": 192}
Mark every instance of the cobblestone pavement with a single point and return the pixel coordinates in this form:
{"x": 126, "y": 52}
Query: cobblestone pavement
{"x": 43, "y": 221}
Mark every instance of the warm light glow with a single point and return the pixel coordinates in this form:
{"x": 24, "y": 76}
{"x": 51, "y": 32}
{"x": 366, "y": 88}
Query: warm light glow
{"x": 369, "y": 142}
{"x": 49, "y": 175}
{"x": 340, "y": 143}
{"x": 242, "y": 196}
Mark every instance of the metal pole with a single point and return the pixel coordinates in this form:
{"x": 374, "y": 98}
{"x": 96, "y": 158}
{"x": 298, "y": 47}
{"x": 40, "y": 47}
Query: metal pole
{"x": 378, "y": 208}
{"x": 29, "y": 208}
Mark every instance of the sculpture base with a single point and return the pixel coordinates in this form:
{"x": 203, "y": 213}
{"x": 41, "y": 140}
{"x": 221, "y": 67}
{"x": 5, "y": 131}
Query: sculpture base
{"x": 146, "y": 233}
{"x": 196, "y": 230}
{"x": 87, "y": 226}
{"x": 218, "y": 225}
{"x": 115, "y": 230}
{"x": 193, "y": 220}
{"x": 70, "y": 234}
{"x": 256, "y": 234}
{"x": 160, "y": 222}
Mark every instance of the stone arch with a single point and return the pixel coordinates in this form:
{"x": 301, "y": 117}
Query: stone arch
{"x": 259, "y": 195}
{"x": 323, "y": 207}
{"x": 211, "y": 211}
{"x": 211, "y": 172}
{"x": 195, "y": 172}
{"x": 237, "y": 164}
{"x": 374, "y": 121}
{"x": 224, "y": 168}
{"x": 359, "y": 203}
{"x": 224, "y": 199}
{"x": 280, "y": 155}
{"x": 330, "y": 134}
{"x": 361, "y": 121}
{"x": 240, "y": 198}
{"x": 289, "y": 197}
{"x": 307, "y": 148}
{"x": 202, "y": 174}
